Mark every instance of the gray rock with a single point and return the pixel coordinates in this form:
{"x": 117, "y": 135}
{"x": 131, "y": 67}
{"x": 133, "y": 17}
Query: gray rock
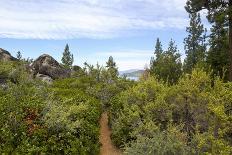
{"x": 47, "y": 65}
{"x": 3, "y": 84}
{"x": 44, "y": 78}
{"x": 6, "y": 56}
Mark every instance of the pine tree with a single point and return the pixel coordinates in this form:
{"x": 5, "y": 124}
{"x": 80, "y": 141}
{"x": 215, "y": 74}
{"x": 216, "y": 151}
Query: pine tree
{"x": 158, "y": 53}
{"x": 110, "y": 63}
{"x": 158, "y": 49}
{"x": 67, "y": 58}
{"x": 219, "y": 12}
{"x": 112, "y": 68}
{"x": 195, "y": 46}
{"x": 174, "y": 65}
{"x": 217, "y": 56}
{"x": 19, "y": 55}
{"x": 168, "y": 65}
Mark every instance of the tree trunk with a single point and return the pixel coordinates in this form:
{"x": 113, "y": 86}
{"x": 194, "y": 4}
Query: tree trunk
{"x": 230, "y": 39}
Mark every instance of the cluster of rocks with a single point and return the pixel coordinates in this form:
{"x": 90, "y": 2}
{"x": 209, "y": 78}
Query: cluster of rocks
{"x": 45, "y": 67}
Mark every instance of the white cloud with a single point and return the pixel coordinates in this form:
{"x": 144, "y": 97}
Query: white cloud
{"x": 62, "y": 19}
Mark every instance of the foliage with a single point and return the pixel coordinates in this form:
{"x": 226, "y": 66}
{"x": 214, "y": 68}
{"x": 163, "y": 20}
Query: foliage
{"x": 199, "y": 108}
{"x": 5, "y": 69}
{"x": 167, "y": 65}
{"x": 158, "y": 48}
{"x": 67, "y": 58}
{"x": 219, "y": 14}
{"x": 40, "y": 119}
{"x": 162, "y": 143}
{"x": 74, "y": 116}
{"x": 13, "y": 71}
{"x": 217, "y": 56}
{"x": 20, "y": 107}
{"x": 111, "y": 72}
{"x": 158, "y": 52}
{"x": 134, "y": 107}
{"x": 195, "y": 46}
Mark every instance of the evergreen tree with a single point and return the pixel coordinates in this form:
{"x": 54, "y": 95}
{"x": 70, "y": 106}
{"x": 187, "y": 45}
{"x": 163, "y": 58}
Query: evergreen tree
{"x": 158, "y": 53}
{"x": 168, "y": 65}
{"x": 173, "y": 63}
{"x": 19, "y": 55}
{"x": 67, "y": 58}
{"x": 195, "y": 46}
{"x": 219, "y": 12}
{"x": 112, "y": 68}
{"x": 158, "y": 48}
{"x": 217, "y": 56}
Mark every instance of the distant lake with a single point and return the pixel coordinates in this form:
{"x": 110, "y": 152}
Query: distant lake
{"x": 133, "y": 78}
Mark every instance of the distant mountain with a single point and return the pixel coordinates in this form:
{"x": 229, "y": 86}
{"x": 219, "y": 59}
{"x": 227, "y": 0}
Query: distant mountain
{"x": 127, "y": 71}
{"x": 132, "y": 73}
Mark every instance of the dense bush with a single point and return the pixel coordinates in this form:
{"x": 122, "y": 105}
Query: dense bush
{"x": 12, "y": 71}
{"x": 170, "y": 142}
{"x": 199, "y": 107}
{"x": 5, "y": 69}
{"x": 59, "y": 119}
{"x": 137, "y": 106}
{"x": 105, "y": 91}
{"x": 20, "y": 112}
{"x": 73, "y": 118}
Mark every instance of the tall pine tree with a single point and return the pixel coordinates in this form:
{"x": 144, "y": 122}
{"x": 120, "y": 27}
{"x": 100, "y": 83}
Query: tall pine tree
{"x": 111, "y": 69}
{"x": 217, "y": 56}
{"x": 219, "y": 13}
{"x": 168, "y": 65}
{"x": 195, "y": 46}
{"x": 158, "y": 48}
{"x": 158, "y": 53}
{"x": 67, "y": 58}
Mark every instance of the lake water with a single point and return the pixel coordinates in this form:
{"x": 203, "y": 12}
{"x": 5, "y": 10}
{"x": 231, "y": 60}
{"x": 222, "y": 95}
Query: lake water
{"x": 133, "y": 78}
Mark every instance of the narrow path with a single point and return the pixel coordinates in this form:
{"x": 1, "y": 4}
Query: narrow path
{"x": 107, "y": 147}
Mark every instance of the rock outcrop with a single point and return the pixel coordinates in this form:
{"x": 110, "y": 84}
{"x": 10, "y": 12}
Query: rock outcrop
{"x": 45, "y": 78}
{"x": 47, "y": 65}
{"x": 6, "y": 56}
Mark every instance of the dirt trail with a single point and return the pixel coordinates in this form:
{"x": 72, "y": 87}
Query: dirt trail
{"x": 107, "y": 147}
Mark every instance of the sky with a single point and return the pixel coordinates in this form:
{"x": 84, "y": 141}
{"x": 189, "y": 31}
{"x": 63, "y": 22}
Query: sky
{"x": 94, "y": 29}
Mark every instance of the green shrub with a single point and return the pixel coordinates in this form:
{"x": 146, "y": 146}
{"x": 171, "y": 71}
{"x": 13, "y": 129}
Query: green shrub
{"x": 199, "y": 105}
{"x": 20, "y": 107}
{"x": 39, "y": 119}
{"x": 5, "y": 69}
{"x": 161, "y": 143}
{"x": 134, "y": 107}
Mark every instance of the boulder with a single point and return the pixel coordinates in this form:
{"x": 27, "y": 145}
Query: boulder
{"x": 6, "y": 56}
{"x": 47, "y": 65}
{"x": 44, "y": 78}
{"x": 3, "y": 84}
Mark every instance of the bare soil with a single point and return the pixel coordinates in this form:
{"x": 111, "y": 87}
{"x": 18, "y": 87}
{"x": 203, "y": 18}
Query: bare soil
{"x": 107, "y": 147}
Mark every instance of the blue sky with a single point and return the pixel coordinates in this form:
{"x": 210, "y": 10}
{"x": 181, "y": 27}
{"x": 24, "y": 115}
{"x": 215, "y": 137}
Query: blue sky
{"x": 94, "y": 29}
